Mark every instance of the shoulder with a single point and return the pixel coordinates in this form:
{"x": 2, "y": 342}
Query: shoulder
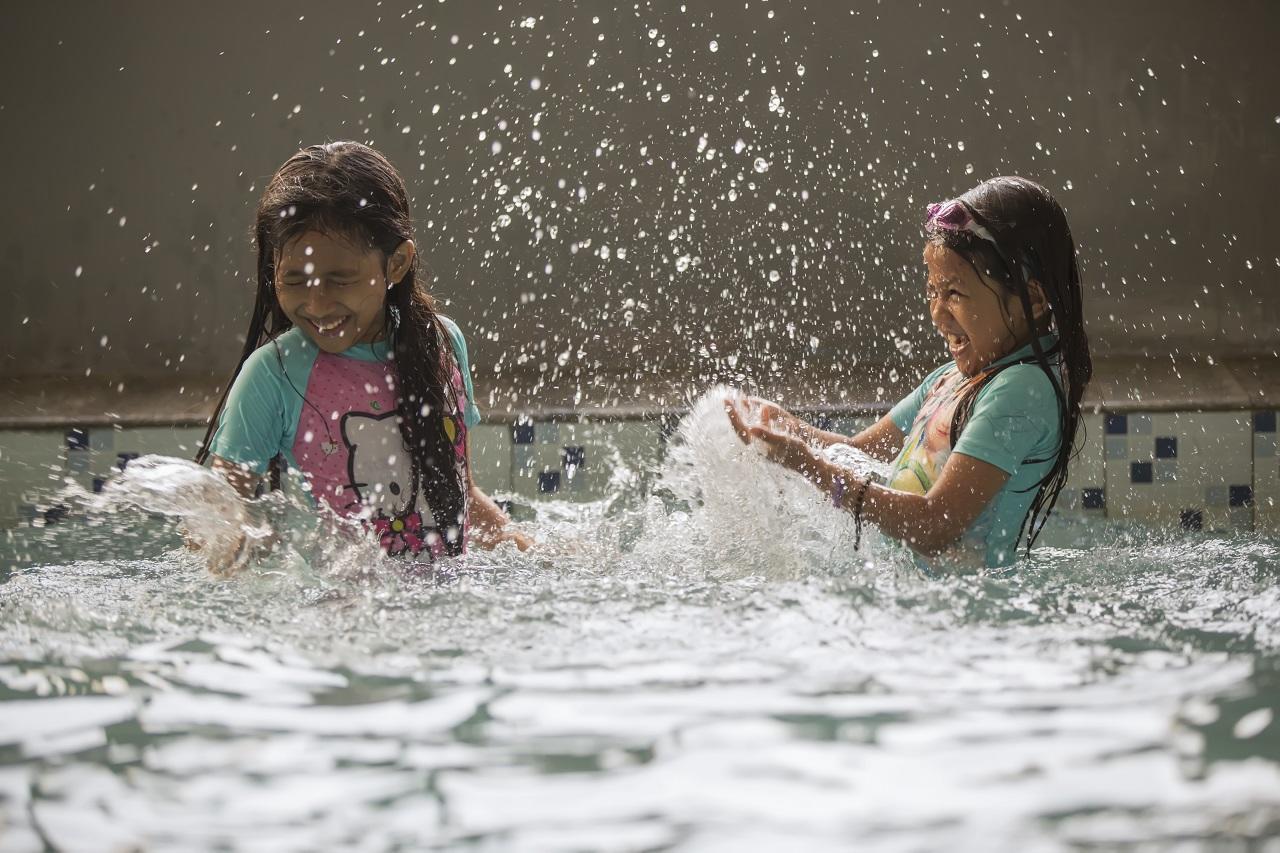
{"x": 456, "y": 338}
{"x": 1020, "y": 389}
{"x": 1023, "y": 379}
{"x": 451, "y": 327}
{"x": 288, "y": 355}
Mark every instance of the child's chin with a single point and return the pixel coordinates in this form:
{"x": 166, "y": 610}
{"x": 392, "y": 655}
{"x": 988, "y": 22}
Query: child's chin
{"x": 331, "y": 344}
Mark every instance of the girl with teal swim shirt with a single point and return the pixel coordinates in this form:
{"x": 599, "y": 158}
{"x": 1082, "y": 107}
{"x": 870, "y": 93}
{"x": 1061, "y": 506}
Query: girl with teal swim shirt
{"x": 350, "y": 376}
{"x": 979, "y": 451}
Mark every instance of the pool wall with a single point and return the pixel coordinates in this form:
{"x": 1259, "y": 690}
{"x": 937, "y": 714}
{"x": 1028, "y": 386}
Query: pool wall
{"x": 1210, "y": 471}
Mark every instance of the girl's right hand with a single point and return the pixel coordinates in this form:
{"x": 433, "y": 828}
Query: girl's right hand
{"x": 772, "y": 417}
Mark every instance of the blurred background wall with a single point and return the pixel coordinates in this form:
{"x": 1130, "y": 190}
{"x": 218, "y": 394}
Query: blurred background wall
{"x": 689, "y": 189}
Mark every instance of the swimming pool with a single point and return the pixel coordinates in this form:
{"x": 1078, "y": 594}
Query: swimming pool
{"x": 696, "y": 664}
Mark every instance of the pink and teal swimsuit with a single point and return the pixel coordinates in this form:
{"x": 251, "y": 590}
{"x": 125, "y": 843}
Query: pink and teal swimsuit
{"x": 332, "y": 418}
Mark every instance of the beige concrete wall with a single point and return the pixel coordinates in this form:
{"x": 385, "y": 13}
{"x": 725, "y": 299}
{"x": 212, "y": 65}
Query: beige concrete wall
{"x": 139, "y": 135}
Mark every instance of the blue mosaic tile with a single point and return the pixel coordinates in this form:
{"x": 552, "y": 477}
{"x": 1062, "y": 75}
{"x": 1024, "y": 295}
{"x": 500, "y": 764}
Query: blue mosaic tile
{"x": 574, "y": 456}
{"x": 1192, "y": 519}
{"x": 1264, "y": 421}
{"x": 1167, "y": 447}
{"x": 1094, "y": 499}
{"x": 1140, "y": 472}
{"x": 123, "y": 459}
{"x": 548, "y": 482}
{"x": 98, "y": 483}
{"x": 522, "y": 432}
{"x": 77, "y": 439}
{"x": 1241, "y": 495}
{"x": 667, "y": 424}
{"x": 1117, "y": 424}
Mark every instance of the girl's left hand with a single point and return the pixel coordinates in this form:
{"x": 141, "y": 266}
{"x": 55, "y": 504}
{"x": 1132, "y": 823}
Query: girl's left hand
{"x": 781, "y": 445}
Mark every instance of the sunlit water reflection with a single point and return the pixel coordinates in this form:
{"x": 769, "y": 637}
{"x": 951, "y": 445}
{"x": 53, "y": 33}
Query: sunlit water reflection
{"x": 710, "y": 667}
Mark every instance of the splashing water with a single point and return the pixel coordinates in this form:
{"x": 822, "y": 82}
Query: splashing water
{"x": 707, "y": 664}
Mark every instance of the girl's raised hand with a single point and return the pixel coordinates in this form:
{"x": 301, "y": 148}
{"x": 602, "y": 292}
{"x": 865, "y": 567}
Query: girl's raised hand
{"x": 782, "y": 434}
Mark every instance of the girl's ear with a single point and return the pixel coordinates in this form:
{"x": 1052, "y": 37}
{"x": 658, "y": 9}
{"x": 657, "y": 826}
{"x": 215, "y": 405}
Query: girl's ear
{"x": 1041, "y": 311}
{"x": 400, "y": 261}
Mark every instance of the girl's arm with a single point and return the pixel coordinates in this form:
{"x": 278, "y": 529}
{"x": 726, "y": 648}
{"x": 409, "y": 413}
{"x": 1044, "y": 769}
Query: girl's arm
{"x": 490, "y": 525}
{"x": 929, "y": 523}
{"x": 882, "y": 440}
{"x": 245, "y": 482}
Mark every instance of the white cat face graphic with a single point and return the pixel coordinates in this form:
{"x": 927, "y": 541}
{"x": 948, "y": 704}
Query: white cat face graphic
{"x": 377, "y": 464}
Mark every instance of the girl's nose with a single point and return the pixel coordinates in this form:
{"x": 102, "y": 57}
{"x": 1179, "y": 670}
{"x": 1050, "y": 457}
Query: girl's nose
{"x": 937, "y": 310}
{"x": 319, "y": 297}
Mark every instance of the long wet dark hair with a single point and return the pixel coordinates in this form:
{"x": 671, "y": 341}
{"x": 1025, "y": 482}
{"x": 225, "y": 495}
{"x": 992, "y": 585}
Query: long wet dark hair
{"x": 1033, "y": 241}
{"x": 349, "y": 189}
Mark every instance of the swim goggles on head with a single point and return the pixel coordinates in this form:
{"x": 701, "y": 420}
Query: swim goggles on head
{"x": 955, "y": 216}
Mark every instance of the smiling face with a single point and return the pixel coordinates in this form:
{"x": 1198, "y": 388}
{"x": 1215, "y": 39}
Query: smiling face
{"x": 981, "y": 320}
{"x": 333, "y": 288}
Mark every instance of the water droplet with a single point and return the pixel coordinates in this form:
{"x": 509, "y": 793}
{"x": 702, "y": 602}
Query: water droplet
{"x": 799, "y": 70}
{"x": 79, "y": 271}
{"x": 774, "y": 275}
{"x": 682, "y": 263}
{"x": 985, "y": 74}
{"x": 968, "y": 168}
{"x": 761, "y": 165}
{"x": 714, "y": 46}
{"x": 1252, "y": 723}
{"x": 535, "y": 83}
{"x": 960, "y": 144}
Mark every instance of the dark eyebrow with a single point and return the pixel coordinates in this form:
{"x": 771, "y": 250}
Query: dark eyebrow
{"x": 340, "y": 273}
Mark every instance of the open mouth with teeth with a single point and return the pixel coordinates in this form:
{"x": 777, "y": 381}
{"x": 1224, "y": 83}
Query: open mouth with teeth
{"x": 957, "y": 343}
{"x": 334, "y": 328}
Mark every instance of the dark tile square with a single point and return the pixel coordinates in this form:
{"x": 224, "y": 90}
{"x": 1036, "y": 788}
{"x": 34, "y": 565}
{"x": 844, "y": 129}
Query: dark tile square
{"x": 123, "y": 459}
{"x": 522, "y": 432}
{"x": 77, "y": 439}
{"x": 98, "y": 483}
{"x": 504, "y": 505}
{"x": 575, "y": 456}
{"x": 823, "y": 422}
{"x": 548, "y": 482}
{"x": 1140, "y": 472}
{"x": 1117, "y": 424}
{"x": 1166, "y": 447}
{"x": 1264, "y": 421}
{"x": 1192, "y": 519}
{"x": 56, "y": 514}
{"x": 1094, "y": 499}
{"x": 667, "y": 424}
{"x": 1240, "y": 495}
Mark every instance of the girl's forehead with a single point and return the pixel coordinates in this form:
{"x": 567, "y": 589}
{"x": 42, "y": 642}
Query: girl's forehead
{"x": 944, "y": 263}
{"x": 325, "y": 244}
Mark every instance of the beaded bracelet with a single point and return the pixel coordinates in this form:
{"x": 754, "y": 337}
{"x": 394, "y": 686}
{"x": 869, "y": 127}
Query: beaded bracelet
{"x": 857, "y": 514}
{"x": 838, "y": 485}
